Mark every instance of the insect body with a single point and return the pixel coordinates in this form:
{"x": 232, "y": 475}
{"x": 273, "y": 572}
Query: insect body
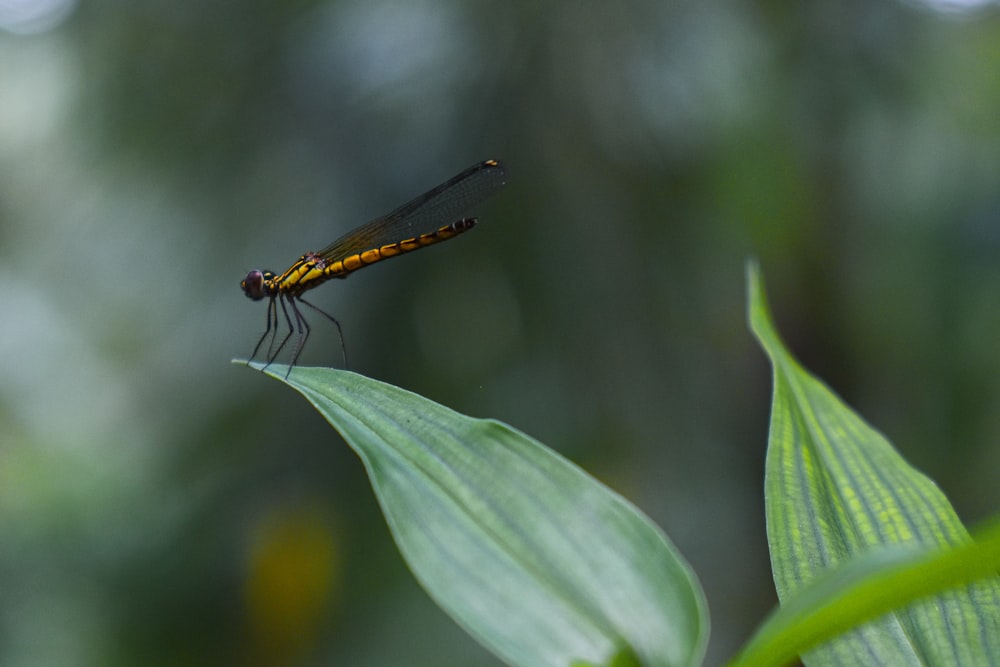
{"x": 432, "y": 217}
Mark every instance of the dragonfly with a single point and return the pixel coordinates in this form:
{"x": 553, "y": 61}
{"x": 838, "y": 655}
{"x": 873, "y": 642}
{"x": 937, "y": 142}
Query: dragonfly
{"x": 433, "y": 217}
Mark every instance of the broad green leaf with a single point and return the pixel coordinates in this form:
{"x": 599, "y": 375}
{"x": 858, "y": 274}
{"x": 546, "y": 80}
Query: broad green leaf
{"x": 538, "y": 561}
{"x": 863, "y": 588}
{"x": 836, "y": 489}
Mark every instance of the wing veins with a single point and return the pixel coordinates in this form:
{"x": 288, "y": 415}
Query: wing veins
{"x": 437, "y": 207}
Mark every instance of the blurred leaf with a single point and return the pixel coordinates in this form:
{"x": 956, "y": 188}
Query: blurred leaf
{"x": 836, "y": 489}
{"x": 534, "y": 558}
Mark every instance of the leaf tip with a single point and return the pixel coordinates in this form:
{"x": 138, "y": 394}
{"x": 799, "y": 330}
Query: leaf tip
{"x": 757, "y": 310}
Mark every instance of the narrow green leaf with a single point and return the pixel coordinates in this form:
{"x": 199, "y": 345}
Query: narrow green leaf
{"x": 535, "y": 559}
{"x": 863, "y": 588}
{"x": 836, "y": 489}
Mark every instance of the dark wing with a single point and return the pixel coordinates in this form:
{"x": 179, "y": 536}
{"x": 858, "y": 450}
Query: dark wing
{"x": 447, "y": 203}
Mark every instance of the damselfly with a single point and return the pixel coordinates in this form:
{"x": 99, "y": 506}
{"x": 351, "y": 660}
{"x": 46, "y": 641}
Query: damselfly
{"x": 432, "y": 217}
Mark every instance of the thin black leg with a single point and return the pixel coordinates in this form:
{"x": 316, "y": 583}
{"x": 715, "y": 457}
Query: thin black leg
{"x": 271, "y": 356}
{"x": 304, "y": 331}
{"x": 340, "y": 332}
{"x": 272, "y": 328}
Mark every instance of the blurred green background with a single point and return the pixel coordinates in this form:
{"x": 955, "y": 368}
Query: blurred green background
{"x": 159, "y": 505}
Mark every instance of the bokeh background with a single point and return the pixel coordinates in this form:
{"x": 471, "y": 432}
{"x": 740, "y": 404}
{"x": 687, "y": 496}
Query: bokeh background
{"x": 159, "y": 505}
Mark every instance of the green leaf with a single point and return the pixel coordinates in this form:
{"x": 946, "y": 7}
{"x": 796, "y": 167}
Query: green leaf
{"x": 863, "y": 588}
{"x": 535, "y": 559}
{"x": 836, "y": 489}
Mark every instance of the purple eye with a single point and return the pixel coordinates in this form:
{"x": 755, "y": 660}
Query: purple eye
{"x": 253, "y": 285}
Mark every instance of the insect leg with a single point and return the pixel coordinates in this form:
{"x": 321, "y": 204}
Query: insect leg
{"x": 272, "y": 325}
{"x": 304, "y": 330}
{"x": 340, "y": 332}
{"x": 273, "y": 354}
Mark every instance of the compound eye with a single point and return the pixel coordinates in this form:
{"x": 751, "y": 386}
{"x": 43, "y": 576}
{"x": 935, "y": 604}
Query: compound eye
{"x": 253, "y": 285}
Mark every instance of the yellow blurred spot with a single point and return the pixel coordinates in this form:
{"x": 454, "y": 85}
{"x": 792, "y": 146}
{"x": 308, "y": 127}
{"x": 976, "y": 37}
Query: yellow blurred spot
{"x": 291, "y": 576}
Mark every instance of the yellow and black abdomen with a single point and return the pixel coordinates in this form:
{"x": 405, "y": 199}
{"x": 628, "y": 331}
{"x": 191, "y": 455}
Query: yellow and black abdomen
{"x": 341, "y": 268}
{"x": 311, "y": 269}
